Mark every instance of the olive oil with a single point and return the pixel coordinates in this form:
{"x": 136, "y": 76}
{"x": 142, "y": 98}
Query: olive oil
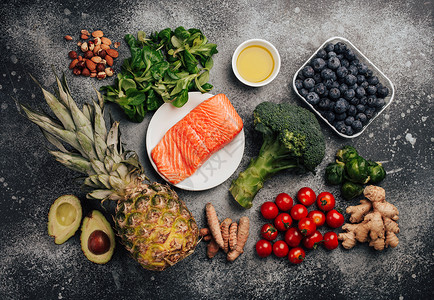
{"x": 255, "y": 63}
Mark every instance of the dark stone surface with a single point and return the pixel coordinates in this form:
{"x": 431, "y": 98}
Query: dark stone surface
{"x": 396, "y": 35}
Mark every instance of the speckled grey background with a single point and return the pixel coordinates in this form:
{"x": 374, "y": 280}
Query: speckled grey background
{"x": 396, "y": 35}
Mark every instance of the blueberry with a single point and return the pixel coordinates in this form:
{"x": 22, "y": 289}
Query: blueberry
{"x": 373, "y": 80}
{"x": 352, "y": 111}
{"x": 324, "y": 103}
{"x": 355, "y": 62}
{"x": 341, "y": 72}
{"x": 321, "y": 54}
{"x": 362, "y": 118}
{"x": 309, "y": 83}
{"x": 331, "y": 106}
{"x": 334, "y": 93}
{"x": 345, "y": 63}
{"x": 329, "y": 116}
{"x": 317, "y": 77}
{"x": 352, "y": 69}
{"x": 363, "y": 100}
{"x": 341, "y": 127}
{"x": 298, "y": 84}
{"x": 357, "y": 125}
{"x": 380, "y": 102}
{"x": 371, "y": 89}
{"x": 349, "y": 94}
{"x": 331, "y": 54}
{"x": 343, "y": 87}
{"x": 327, "y": 74}
{"x": 372, "y": 100}
{"x": 364, "y": 84}
{"x": 303, "y": 92}
{"x": 340, "y": 56}
{"x": 369, "y": 73}
{"x": 382, "y": 91}
{"x": 318, "y": 64}
{"x": 349, "y": 54}
{"x": 312, "y": 98}
{"x": 349, "y": 130}
{"x": 335, "y": 84}
{"x": 329, "y": 83}
{"x": 350, "y": 79}
{"x": 370, "y": 112}
{"x": 308, "y": 71}
{"x": 329, "y": 47}
{"x": 354, "y": 101}
{"x": 353, "y": 87}
{"x": 333, "y": 63}
{"x": 320, "y": 89}
{"x": 340, "y": 47}
{"x": 362, "y": 68}
{"x": 360, "y": 79}
{"x": 360, "y": 92}
{"x": 361, "y": 108}
{"x": 301, "y": 76}
{"x": 349, "y": 120}
{"x": 341, "y": 106}
{"x": 341, "y": 117}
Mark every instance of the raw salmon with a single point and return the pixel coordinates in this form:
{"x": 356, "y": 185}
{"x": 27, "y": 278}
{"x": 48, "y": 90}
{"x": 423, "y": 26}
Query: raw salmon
{"x": 190, "y": 142}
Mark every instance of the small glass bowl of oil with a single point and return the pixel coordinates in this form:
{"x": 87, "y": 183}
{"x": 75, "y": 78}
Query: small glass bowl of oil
{"x": 256, "y": 62}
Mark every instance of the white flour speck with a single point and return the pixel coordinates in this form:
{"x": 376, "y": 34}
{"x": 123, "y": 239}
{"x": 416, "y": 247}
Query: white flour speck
{"x": 1, "y": 86}
{"x": 2, "y": 179}
{"x": 14, "y": 59}
{"x": 13, "y": 73}
{"x": 66, "y": 11}
{"x": 33, "y": 96}
{"x": 297, "y": 10}
{"x": 424, "y": 119}
{"x": 403, "y": 115}
{"x": 413, "y": 275}
{"x": 387, "y": 117}
{"x": 410, "y": 139}
{"x": 371, "y": 135}
{"x": 401, "y": 298}
{"x": 408, "y": 64}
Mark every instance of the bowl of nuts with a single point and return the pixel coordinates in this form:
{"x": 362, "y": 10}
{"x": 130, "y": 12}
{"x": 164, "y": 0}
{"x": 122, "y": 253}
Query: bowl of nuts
{"x": 95, "y": 56}
{"x": 343, "y": 87}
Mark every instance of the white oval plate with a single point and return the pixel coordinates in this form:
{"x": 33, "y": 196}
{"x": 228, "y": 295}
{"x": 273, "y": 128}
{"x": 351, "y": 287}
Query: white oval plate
{"x": 219, "y": 167}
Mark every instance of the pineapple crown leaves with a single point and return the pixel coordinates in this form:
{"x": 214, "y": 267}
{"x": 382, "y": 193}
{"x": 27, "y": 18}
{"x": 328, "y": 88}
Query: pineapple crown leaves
{"x": 99, "y": 154}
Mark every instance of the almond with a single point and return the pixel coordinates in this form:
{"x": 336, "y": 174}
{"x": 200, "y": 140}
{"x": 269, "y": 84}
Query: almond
{"x": 106, "y": 41}
{"x": 84, "y": 37}
{"x": 105, "y": 47}
{"x": 93, "y": 74}
{"x": 73, "y": 64}
{"x": 97, "y": 33}
{"x": 109, "y": 60}
{"x": 96, "y": 59}
{"x": 68, "y": 37}
{"x": 85, "y": 72}
{"x": 112, "y": 52}
{"x": 96, "y": 49}
{"x": 90, "y": 65}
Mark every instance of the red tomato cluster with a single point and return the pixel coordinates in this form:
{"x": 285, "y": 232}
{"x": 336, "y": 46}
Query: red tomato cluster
{"x": 283, "y": 215}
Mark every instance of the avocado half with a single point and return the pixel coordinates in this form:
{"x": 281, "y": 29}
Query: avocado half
{"x": 97, "y": 238}
{"x": 64, "y": 218}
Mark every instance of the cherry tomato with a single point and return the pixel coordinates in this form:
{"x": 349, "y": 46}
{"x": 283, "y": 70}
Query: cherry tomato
{"x": 296, "y": 255}
{"x": 325, "y": 201}
{"x": 334, "y": 219}
{"x": 269, "y": 232}
{"x": 280, "y": 249}
{"x": 306, "y": 196}
{"x": 312, "y": 241}
{"x": 283, "y": 221}
{"x": 284, "y": 202}
{"x": 318, "y": 217}
{"x": 264, "y": 248}
{"x": 293, "y": 237}
{"x": 330, "y": 240}
{"x": 298, "y": 212}
{"x": 269, "y": 210}
{"x": 306, "y": 226}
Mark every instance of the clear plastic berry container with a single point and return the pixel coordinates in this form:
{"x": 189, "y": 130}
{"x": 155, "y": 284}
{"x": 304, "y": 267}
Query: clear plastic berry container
{"x": 362, "y": 58}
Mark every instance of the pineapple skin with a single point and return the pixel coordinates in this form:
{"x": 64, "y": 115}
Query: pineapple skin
{"x": 156, "y": 226}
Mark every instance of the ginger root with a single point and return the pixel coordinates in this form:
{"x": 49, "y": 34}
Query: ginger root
{"x": 374, "y": 221}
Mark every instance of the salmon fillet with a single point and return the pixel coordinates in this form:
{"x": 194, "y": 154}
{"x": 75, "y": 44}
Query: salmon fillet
{"x": 189, "y": 143}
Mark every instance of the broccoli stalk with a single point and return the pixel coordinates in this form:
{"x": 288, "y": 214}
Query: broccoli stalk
{"x": 292, "y": 139}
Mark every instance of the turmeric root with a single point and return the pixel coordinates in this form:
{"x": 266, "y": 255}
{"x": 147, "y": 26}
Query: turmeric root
{"x": 214, "y": 225}
{"x": 204, "y": 231}
{"x": 212, "y": 248}
{"x": 233, "y": 230}
{"x": 378, "y": 226}
{"x": 242, "y": 236}
{"x": 225, "y": 233}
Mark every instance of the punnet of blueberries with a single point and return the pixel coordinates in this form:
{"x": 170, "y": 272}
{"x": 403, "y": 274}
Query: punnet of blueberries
{"x": 344, "y": 90}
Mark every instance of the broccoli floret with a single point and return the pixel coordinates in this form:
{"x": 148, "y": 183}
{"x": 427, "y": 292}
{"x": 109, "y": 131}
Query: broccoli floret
{"x": 292, "y": 140}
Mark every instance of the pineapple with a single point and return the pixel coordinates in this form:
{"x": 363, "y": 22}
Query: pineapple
{"x": 153, "y": 223}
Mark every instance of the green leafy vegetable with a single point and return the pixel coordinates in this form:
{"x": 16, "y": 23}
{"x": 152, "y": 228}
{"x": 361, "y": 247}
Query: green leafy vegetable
{"x": 163, "y": 67}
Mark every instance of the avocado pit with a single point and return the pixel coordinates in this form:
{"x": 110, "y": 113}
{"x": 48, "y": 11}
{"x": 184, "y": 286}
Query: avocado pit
{"x": 98, "y": 242}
